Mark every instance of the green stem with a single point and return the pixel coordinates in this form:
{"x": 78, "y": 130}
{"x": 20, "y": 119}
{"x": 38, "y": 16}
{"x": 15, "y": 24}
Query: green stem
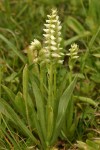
{"x": 50, "y": 103}
{"x": 41, "y": 79}
{"x": 55, "y": 86}
{"x": 50, "y": 85}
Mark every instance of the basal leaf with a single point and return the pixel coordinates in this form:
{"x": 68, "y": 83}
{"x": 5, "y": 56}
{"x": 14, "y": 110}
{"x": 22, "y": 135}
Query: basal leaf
{"x": 62, "y": 107}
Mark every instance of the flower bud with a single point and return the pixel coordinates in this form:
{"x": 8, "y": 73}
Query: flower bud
{"x": 35, "y": 45}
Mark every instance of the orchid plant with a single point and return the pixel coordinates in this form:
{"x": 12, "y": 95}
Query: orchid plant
{"x": 48, "y": 59}
{"x": 43, "y": 103}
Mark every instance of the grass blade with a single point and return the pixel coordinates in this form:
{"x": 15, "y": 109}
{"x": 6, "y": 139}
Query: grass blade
{"x": 15, "y": 118}
{"x": 18, "y": 53}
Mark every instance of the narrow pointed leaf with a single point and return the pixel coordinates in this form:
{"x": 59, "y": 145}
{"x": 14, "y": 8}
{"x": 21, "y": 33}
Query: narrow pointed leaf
{"x": 40, "y": 107}
{"x": 62, "y": 107}
{"x": 17, "y": 120}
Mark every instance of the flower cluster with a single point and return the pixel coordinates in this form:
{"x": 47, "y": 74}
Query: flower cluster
{"x": 35, "y": 47}
{"x": 73, "y": 55}
{"x": 52, "y": 50}
{"x": 73, "y": 51}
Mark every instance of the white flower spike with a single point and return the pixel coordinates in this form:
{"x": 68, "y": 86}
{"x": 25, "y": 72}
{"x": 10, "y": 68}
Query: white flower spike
{"x": 52, "y": 38}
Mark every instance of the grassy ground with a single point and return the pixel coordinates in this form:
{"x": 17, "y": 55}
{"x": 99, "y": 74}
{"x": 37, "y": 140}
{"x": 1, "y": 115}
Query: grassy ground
{"x": 20, "y": 23}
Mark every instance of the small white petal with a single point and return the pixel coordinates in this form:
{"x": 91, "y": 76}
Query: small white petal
{"x": 47, "y": 48}
{"x": 59, "y": 33}
{"x": 46, "y": 35}
{"x": 53, "y": 48}
{"x": 53, "y": 26}
{"x": 35, "y": 60}
{"x": 49, "y": 16}
{"x": 52, "y": 31}
{"x": 68, "y": 54}
{"x": 54, "y": 11}
{"x": 60, "y": 48}
{"x": 58, "y": 23}
{"x": 54, "y": 15}
{"x": 46, "y": 42}
{"x": 74, "y": 46}
{"x": 55, "y": 55}
{"x": 62, "y": 54}
{"x": 47, "y": 25}
{"x": 75, "y": 53}
{"x": 52, "y": 37}
{"x": 43, "y": 51}
{"x": 53, "y": 43}
{"x": 60, "y": 61}
{"x": 31, "y": 47}
{"x": 59, "y": 27}
{"x": 46, "y": 30}
{"x": 75, "y": 57}
{"x": 48, "y": 21}
{"x": 54, "y": 21}
{"x": 57, "y": 17}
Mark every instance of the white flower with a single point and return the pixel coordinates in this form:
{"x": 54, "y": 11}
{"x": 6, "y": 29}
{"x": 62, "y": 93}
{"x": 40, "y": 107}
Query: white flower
{"x": 53, "y": 26}
{"x": 53, "y": 38}
{"x": 48, "y": 16}
{"x": 53, "y": 43}
{"x": 60, "y": 61}
{"x": 55, "y": 55}
{"x": 73, "y": 51}
{"x": 46, "y": 35}
{"x": 46, "y": 30}
{"x": 53, "y": 48}
{"x": 35, "y": 45}
{"x": 59, "y": 27}
{"x": 47, "y": 25}
{"x": 35, "y": 60}
{"x": 48, "y": 21}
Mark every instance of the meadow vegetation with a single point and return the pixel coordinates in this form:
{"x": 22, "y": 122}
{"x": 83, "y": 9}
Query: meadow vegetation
{"x": 49, "y": 74}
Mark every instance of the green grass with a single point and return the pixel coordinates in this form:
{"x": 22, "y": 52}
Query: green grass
{"x": 23, "y": 94}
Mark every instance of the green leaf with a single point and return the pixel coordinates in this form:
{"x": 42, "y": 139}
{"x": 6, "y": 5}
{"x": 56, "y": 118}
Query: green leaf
{"x": 40, "y": 106}
{"x": 86, "y": 100}
{"x": 93, "y": 144}
{"x": 19, "y": 102}
{"x": 11, "y": 77}
{"x": 11, "y": 97}
{"x": 25, "y": 83}
{"x": 15, "y": 118}
{"x": 9, "y": 93}
{"x": 62, "y": 108}
{"x": 96, "y": 55}
{"x": 25, "y": 93}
